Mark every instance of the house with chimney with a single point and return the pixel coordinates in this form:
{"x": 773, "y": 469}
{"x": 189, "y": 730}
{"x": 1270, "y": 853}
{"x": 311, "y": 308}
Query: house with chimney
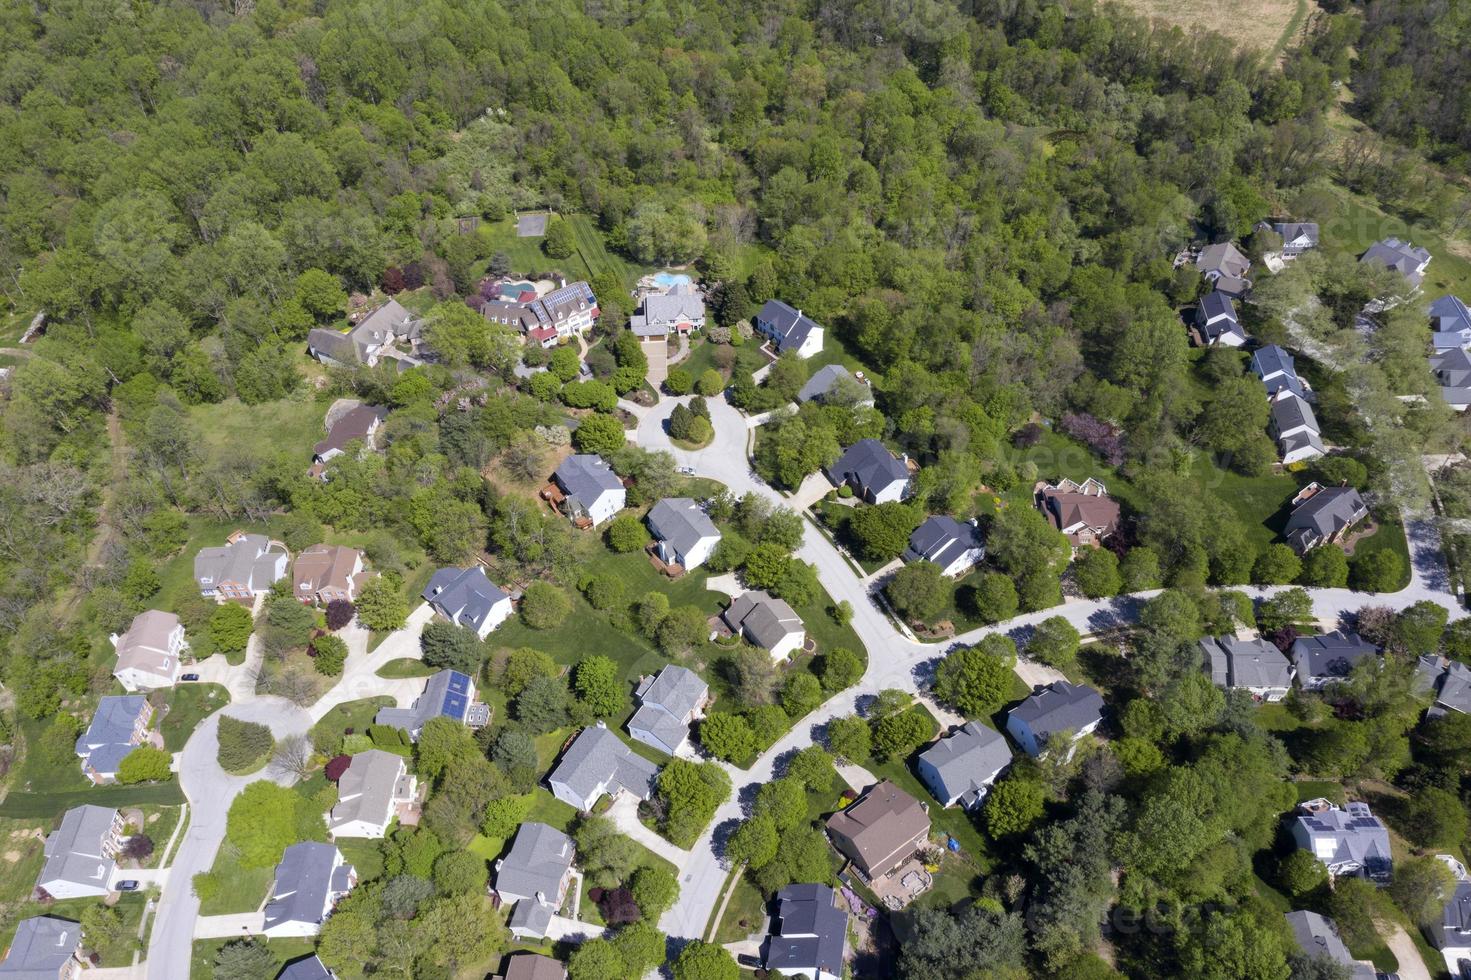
{"x": 683, "y": 534}
{"x": 961, "y": 767}
{"x": 1323, "y": 515}
{"x": 1082, "y": 511}
{"x": 447, "y": 694}
{"x": 310, "y": 880}
{"x": 808, "y": 934}
{"x": 80, "y": 853}
{"x": 597, "y": 763}
{"x": 585, "y": 488}
{"x": 956, "y": 546}
{"x": 467, "y": 597}
{"x": 876, "y": 475}
{"x": 567, "y": 311}
{"x": 150, "y": 652}
{"x": 327, "y": 573}
{"x": 1347, "y": 840}
{"x": 44, "y": 947}
{"x": 358, "y": 424}
{"x": 789, "y": 329}
{"x": 535, "y": 872}
{"x": 388, "y": 333}
{"x": 669, "y": 702}
{"x": 766, "y": 622}
{"x": 247, "y": 566}
{"x": 1048, "y": 713}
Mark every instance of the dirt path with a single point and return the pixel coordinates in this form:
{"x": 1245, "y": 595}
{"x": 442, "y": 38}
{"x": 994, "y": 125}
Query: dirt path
{"x": 1411, "y": 966}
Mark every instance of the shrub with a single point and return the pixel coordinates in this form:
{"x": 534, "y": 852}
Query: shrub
{"x": 544, "y": 606}
{"x": 339, "y": 613}
{"x": 230, "y": 627}
{"x": 145, "y": 764}
{"x": 328, "y": 653}
{"x": 243, "y": 744}
{"x": 626, "y": 534}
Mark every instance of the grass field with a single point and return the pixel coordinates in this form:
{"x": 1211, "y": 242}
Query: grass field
{"x": 743, "y": 913}
{"x": 202, "y": 967}
{"x": 405, "y": 667}
{"x": 353, "y": 716}
{"x": 188, "y": 706}
{"x": 42, "y": 790}
{"x": 1264, "y": 25}
{"x": 289, "y": 425}
{"x": 1359, "y": 221}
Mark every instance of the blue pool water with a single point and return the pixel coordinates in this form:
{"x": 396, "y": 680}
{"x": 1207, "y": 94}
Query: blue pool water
{"x": 668, "y": 280}
{"x": 510, "y": 290}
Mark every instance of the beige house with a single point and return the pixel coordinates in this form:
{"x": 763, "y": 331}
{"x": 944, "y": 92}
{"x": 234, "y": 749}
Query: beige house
{"x": 148, "y": 653}
{"x": 373, "y": 787}
{"x": 880, "y": 830}
{"x": 324, "y": 573}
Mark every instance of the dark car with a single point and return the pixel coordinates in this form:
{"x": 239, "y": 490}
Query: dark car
{"x": 746, "y": 959}
{"x": 189, "y": 677}
{"x": 127, "y": 886}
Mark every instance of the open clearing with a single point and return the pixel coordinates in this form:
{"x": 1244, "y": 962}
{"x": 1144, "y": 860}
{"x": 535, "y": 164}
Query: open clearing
{"x": 1262, "y": 25}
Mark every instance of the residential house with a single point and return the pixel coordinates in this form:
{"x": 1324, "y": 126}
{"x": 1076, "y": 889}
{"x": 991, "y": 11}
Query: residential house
{"x": 1082, "y": 511}
{"x": 1450, "y": 323}
{"x": 836, "y": 383}
{"x": 587, "y": 490}
{"x": 874, "y": 473}
{"x": 79, "y": 853}
{"x": 1250, "y": 665}
{"x": 1051, "y": 711}
{"x": 43, "y": 948}
{"x": 809, "y": 934}
{"x": 597, "y": 763}
{"x": 955, "y": 546}
{"x": 767, "y": 622}
{"x": 119, "y": 725}
{"x": 683, "y": 534}
{"x": 1323, "y": 515}
{"x": 880, "y": 830}
{"x": 375, "y": 338}
{"x": 1448, "y": 680}
{"x": 310, "y": 880}
{"x": 1294, "y": 428}
{"x": 1225, "y": 267}
{"x": 535, "y": 872}
{"x": 1275, "y": 367}
{"x": 680, "y": 310}
{"x": 326, "y": 573}
{"x": 1216, "y": 322}
{"x": 1318, "y": 937}
{"x": 669, "y": 702}
{"x": 370, "y": 792}
{"x": 1452, "y": 370}
{"x": 1347, "y": 841}
{"x": 247, "y": 566}
{"x": 1402, "y": 257}
{"x": 960, "y": 767}
{"x": 306, "y": 968}
{"x": 789, "y": 330}
{"x": 1452, "y": 934}
{"x": 1328, "y": 657}
{"x": 447, "y": 694}
{"x": 532, "y": 966}
{"x": 468, "y": 598}
{"x": 567, "y": 311}
{"x": 148, "y": 654}
{"x": 1297, "y": 236}
{"x": 359, "y": 424}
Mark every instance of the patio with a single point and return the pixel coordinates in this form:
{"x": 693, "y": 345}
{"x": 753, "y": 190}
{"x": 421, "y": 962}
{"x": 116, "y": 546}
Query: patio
{"x": 902, "y": 885}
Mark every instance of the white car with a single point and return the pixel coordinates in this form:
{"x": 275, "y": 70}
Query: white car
{"x": 686, "y": 470}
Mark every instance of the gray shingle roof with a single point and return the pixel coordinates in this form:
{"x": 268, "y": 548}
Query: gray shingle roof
{"x": 448, "y": 693}
{"x": 1060, "y": 706}
{"x": 1454, "y": 690}
{"x": 1402, "y": 257}
{"x": 42, "y": 946}
{"x": 941, "y": 539}
{"x": 673, "y": 308}
{"x": 464, "y": 595}
{"x": 791, "y": 326}
{"x": 1330, "y": 654}
{"x": 1216, "y": 317}
{"x": 968, "y": 759}
{"x": 809, "y": 931}
{"x": 1323, "y": 515}
{"x": 822, "y": 382}
{"x": 681, "y": 522}
{"x": 249, "y": 559}
{"x": 598, "y": 757}
{"x": 1318, "y": 936}
{"x": 534, "y": 867}
{"x": 367, "y": 788}
{"x": 666, "y": 700}
{"x": 531, "y": 917}
{"x": 356, "y": 423}
{"x": 585, "y": 477}
{"x": 868, "y": 467}
{"x": 78, "y": 850}
{"x": 1356, "y": 834}
{"x": 1456, "y": 915}
{"x": 306, "y": 968}
{"x": 305, "y": 879}
{"x": 1450, "y": 313}
{"x": 1291, "y": 231}
{"x": 1291, "y": 412}
{"x": 109, "y": 738}
{"x": 1246, "y": 663}
{"x": 332, "y": 343}
{"x": 764, "y": 619}
{"x": 1276, "y": 369}
{"x": 1224, "y": 259}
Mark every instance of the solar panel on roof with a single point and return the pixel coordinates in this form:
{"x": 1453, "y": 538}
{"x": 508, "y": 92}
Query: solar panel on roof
{"x": 454, "y": 706}
{"x": 459, "y": 683}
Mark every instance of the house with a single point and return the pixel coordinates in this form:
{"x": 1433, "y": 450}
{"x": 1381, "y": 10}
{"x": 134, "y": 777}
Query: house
{"x": 1297, "y": 236}
{"x": 1328, "y": 657}
{"x": 537, "y": 867}
{"x": 148, "y": 653}
{"x": 590, "y": 491}
{"x": 567, "y": 311}
{"x": 1275, "y": 368}
{"x": 43, "y": 948}
{"x": 1052, "y": 710}
{"x": 1082, "y": 511}
{"x": 310, "y": 880}
{"x": 788, "y": 330}
{"x": 809, "y": 934}
{"x": 680, "y": 310}
{"x": 358, "y": 424}
{"x": 1347, "y": 841}
{"x": 1448, "y": 680}
{"x": 119, "y": 725}
{"x": 835, "y": 382}
{"x": 880, "y": 830}
{"x": 955, "y": 546}
{"x": 1450, "y": 323}
{"x": 1251, "y": 665}
{"x": 327, "y": 573}
{"x": 79, "y": 853}
{"x": 1318, "y": 937}
{"x": 1323, "y": 515}
{"x": 369, "y": 792}
{"x": 447, "y": 694}
{"x": 1216, "y": 323}
{"x": 597, "y": 763}
{"x": 1452, "y": 934}
{"x": 1452, "y": 370}
{"x": 683, "y": 535}
{"x": 1225, "y": 267}
{"x": 668, "y": 703}
{"x": 960, "y": 767}
{"x": 765, "y": 621}
{"x": 466, "y": 597}
{"x": 306, "y": 968}
{"x": 873, "y": 472}
{"x": 1294, "y": 428}
{"x": 373, "y": 339}
{"x": 247, "y": 566}
{"x": 1402, "y": 257}
{"x": 532, "y": 966}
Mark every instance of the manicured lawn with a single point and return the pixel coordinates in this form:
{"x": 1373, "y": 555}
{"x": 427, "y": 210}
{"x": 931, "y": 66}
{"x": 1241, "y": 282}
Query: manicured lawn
{"x": 743, "y": 914}
{"x": 285, "y": 950}
{"x": 835, "y": 517}
{"x": 353, "y": 716}
{"x": 525, "y": 254}
{"x": 404, "y": 667}
{"x": 159, "y": 823}
{"x": 292, "y": 424}
{"x": 1390, "y": 537}
{"x": 1359, "y": 222}
{"x": 39, "y": 789}
{"x": 188, "y": 706}
{"x": 130, "y": 907}
{"x": 244, "y": 888}
{"x": 364, "y": 854}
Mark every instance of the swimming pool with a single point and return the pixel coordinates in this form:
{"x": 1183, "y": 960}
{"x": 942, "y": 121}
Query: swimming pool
{"x": 668, "y": 280}
{"x": 511, "y": 290}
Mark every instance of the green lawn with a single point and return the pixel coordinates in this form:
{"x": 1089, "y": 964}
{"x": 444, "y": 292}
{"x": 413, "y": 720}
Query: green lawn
{"x": 285, "y": 950}
{"x": 353, "y": 716}
{"x": 21, "y": 857}
{"x": 526, "y": 255}
{"x": 743, "y": 913}
{"x": 40, "y": 789}
{"x": 292, "y": 424}
{"x": 189, "y": 704}
{"x": 404, "y": 667}
{"x": 1359, "y": 222}
{"x": 244, "y": 888}
{"x": 159, "y": 823}
{"x": 363, "y": 853}
{"x": 1390, "y": 536}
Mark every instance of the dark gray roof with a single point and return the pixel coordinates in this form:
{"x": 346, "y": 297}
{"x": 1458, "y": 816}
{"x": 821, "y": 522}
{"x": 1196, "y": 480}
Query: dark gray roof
{"x": 1330, "y": 654}
{"x": 251, "y": 558}
{"x": 791, "y": 326}
{"x": 666, "y": 701}
{"x": 598, "y": 757}
{"x": 464, "y": 595}
{"x": 1402, "y": 257}
{"x": 1216, "y": 316}
{"x": 368, "y": 787}
{"x": 1060, "y": 706}
{"x": 1246, "y": 663}
{"x": 42, "y": 946}
{"x": 673, "y": 308}
{"x": 941, "y": 539}
{"x": 1291, "y": 231}
{"x": 1450, "y": 313}
{"x": 968, "y": 759}
{"x": 869, "y": 467}
{"x": 1454, "y": 692}
{"x": 76, "y": 851}
{"x": 586, "y": 477}
{"x": 356, "y": 423}
{"x": 1324, "y": 514}
{"x": 1456, "y": 915}
{"x": 1290, "y": 412}
{"x": 1275, "y": 367}
{"x": 111, "y": 728}
{"x": 1223, "y": 258}
{"x": 531, "y": 917}
{"x": 448, "y": 693}
{"x": 1452, "y": 368}
{"x": 332, "y": 343}
{"x": 822, "y": 382}
{"x": 305, "y": 879}
{"x": 539, "y": 858}
{"x": 763, "y": 618}
{"x": 681, "y": 522}
{"x": 1318, "y": 936}
{"x": 809, "y": 931}
{"x": 306, "y": 968}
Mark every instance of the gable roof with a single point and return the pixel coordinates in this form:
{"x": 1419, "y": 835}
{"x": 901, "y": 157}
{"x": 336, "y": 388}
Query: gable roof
{"x": 465, "y": 595}
{"x": 533, "y": 966}
{"x": 586, "y": 477}
{"x": 305, "y": 879}
{"x": 42, "y": 945}
{"x": 1357, "y": 835}
{"x": 1452, "y": 367}
{"x": 596, "y": 759}
{"x": 324, "y": 566}
{"x": 1060, "y": 706}
{"x": 869, "y": 467}
{"x": 356, "y": 423}
{"x": 368, "y": 787}
{"x": 968, "y": 759}
{"x": 880, "y": 824}
{"x": 332, "y": 343}
{"x": 1455, "y": 916}
{"x": 78, "y": 850}
{"x": 531, "y": 917}
{"x": 1256, "y": 663}
{"x": 665, "y": 701}
{"x": 1067, "y": 504}
{"x": 941, "y": 539}
{"x": 1276, "y": 369}
{"x": 1291, "y": 412}
{"x": 534, "y": 867}
{"x": 112, "y": 722}
{"x": 674, "y": 307}
{"x": 681, "y": 522}
{"x": 1450, "y": 313}
{"x": 791, "y": 326}
{"x": 1453, "y": 689}
{"x": 145, "y": 646}
{"x": 1292, "y": 231}
{"x": 1223, "y": 258}
{"x": 249, "y": 558}
{"x": 809, "y": 931}
{"x": 1324, "y": 513}
{"x": 1317, "y": 935}
{"x": 1402, "y": 257}
{"x": 765, "y": 619}
{"x": 1330, "y": 654}
{"x": 823, "y": 380}
{"x": 448, "y": 693}
{"x": 306, "y": 968}
{"x": 1215, "y": 305}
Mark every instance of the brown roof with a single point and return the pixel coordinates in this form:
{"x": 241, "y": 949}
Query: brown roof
{"x": 324, "y": 566}
{"x": 882, "y": 824}
{"x": 1069, "y": 509}
{"x": 534, "y": 966}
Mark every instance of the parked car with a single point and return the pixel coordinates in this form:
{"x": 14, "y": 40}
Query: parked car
{"x": 686, "y": 470}
{"x": 188, "y": 677}
{"x": 127, "y": 886}
{"x": 746, "y": 959}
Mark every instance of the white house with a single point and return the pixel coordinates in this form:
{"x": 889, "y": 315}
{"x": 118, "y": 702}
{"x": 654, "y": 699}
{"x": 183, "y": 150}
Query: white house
{"x": 597, "y": 763}
{"x": 1295, "y": 428}
{"x": 962, "y": 766}
{"x": 767, "y": 622}
{"x": 683, "y": 534}
{"x": 148, "y": 653}
{"x": 80, "y": 853}
{"x": 310, "y": 880}
{"x": 788, "y": 329}
{"x": 668, "y": 703}
{"x": 1348, "y": 841}
{"x": 466, "y": 597}
{"x": 591, "y": 492}
{"x": 955, "y": 546}
{"x": 369, "y": 793}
